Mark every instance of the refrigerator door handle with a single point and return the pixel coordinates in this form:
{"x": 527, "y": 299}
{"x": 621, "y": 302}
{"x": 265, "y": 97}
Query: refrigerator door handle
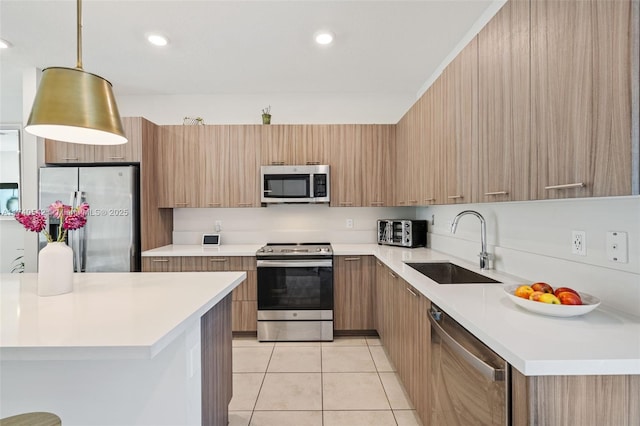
{"x": 83, "y": 236}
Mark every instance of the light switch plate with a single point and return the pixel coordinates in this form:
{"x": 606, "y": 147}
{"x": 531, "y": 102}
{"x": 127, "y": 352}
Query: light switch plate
{"x": 617, "y": 247}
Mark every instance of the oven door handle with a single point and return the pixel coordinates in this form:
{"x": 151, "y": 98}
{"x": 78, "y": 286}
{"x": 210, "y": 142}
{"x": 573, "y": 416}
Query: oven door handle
{"x": 493, "y": 374}
{"x": 311, "y": 263}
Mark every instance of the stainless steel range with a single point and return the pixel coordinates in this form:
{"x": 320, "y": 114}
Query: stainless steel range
{"x": 295, "y": 292}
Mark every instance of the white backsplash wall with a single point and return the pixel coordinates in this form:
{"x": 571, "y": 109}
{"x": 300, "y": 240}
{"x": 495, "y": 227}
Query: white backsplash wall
{"x": 532, "y": 240}
{"x": 284, "y": 223}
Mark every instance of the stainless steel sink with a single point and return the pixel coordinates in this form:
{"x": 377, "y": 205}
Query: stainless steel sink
{"x": 449, "y": 273}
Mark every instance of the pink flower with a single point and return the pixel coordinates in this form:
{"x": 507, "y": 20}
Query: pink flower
{"x": 35, "y": 222}
{"x": 56, "y": 209}
{"x": 83, "y": 209}
{"x": 74, "y": 221}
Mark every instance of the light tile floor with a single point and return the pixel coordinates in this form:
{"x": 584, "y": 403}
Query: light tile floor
{"x": 347, "y": 382}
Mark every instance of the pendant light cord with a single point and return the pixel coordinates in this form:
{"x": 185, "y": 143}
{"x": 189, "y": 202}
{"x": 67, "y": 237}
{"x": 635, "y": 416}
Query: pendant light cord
{"x": 79, "y": 19}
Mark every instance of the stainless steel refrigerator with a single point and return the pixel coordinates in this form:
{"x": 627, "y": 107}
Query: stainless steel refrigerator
{"x": 110, "y": 241}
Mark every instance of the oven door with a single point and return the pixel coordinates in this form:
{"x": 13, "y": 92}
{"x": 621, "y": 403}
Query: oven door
{"x": 295, "y": 285}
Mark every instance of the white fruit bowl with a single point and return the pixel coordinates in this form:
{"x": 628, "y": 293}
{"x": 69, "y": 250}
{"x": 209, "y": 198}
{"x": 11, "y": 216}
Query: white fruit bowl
{"x": 589, "y": 304}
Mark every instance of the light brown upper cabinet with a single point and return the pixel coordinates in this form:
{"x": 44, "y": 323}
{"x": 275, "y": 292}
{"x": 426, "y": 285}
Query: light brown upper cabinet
{"x": 178, "y": 172}
{"x": 295, "y": 144}
{"x": 244, "y": 166}
{"x": 378, "y": 159}
{"x": 459, "y": 126}
{"x": 214, "y": 166}
{"x": 279, "y": 143}
{"x": 507, "y": 160}
{"x": 128, "y": 152}
{"x": 56, "y": 152}
{"x": 347, "y": 174}
{"x": 428, "y": 153}
{"x": 401, "y": 181}
{"x": 581, "y": 97}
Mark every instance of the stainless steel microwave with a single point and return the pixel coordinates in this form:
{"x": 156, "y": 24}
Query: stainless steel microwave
{"x": 295, "y": 184}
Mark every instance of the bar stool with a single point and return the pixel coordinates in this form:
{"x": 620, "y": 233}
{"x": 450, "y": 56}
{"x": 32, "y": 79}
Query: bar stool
{"x": 32, "y": 419}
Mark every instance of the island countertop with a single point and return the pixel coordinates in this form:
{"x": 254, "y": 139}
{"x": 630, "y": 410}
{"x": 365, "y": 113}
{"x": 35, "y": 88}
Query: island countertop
{"x": 107, "y": 316}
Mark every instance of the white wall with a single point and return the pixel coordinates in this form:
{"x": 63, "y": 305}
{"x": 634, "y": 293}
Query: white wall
{"x": 286, "y": 108}
{"x": 532, "y": 240}
{"x": 284, "y": 223}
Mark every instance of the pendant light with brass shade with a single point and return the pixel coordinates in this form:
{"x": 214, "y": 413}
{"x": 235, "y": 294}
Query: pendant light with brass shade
{"x": 72, "y": 105}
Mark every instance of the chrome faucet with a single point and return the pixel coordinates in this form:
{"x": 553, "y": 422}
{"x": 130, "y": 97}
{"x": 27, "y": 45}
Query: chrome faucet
{"x": 484, "y": 256}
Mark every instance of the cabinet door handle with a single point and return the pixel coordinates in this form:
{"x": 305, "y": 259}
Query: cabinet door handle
{"x": 277, "y": 163}
{"x": 378, "y": 263}
{"x": 245, "y": 204}
{"x": 70, "y": 158}
{"x": 214, "y": 204}
{"x": 313, "y": 163}
{"x": 181, "y": 204}
{"x": 217, "y": 260}
{"x": 428, "y": 200}
{"x": 159, "y": 260}
{"x": 454, "y": 197}
{"x": 392, "y": 275}
{"x": 413, "y": 201}
{"x": 115, "y": 158}
{"x": 565, "y": 186}
{"x": 351, "y": 259}
{"x": 401, "y": 203}
{"x": 412, "y": 292}
{"x": 496, "y": 193}
{"x": 377, "y": 203}
{"x": 345, "y": 203}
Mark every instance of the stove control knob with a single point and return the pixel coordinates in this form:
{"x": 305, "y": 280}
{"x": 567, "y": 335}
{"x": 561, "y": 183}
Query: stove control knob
{"x": 261, "y": 250}
{"x": 269, "y": 250}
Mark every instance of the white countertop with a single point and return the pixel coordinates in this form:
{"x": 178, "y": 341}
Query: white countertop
{"x": 601, "y": 342}
{"x": 197, "y": 250}
{"x": 107, "y": 316}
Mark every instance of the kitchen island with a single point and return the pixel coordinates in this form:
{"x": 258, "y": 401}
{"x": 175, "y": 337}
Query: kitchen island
{"x": 121, "y": 349}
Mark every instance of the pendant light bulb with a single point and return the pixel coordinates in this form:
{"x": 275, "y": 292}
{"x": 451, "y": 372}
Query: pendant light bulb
{"x": 72, "y": 105}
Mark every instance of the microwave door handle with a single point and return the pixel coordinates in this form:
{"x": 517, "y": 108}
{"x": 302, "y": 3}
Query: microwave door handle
{"x": 493, "y": 374}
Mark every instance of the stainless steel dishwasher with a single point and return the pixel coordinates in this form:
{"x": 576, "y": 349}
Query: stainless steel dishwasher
{"x": 469, "y": 382}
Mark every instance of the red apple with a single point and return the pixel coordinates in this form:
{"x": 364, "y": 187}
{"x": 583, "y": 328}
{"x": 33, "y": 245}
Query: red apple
{"x": 543, "y": 287}
{"x": 568, "y": 298}
{"x": 565, "y": 289}
{"x": 535, "y": 296}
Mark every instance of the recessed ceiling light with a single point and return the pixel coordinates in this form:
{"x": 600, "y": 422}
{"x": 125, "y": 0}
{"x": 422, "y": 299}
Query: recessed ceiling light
{"x": 157, "y": 39}
{"x": 324, "y": 37}
{"x": 4, "y": 44}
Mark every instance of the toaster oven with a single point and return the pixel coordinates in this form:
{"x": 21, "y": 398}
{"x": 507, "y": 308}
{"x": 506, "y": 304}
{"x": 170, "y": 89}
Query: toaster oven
{"x": 402, "y": 232}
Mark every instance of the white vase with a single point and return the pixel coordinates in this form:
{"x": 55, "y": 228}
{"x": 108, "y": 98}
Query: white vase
{"x": 55, "y": 269}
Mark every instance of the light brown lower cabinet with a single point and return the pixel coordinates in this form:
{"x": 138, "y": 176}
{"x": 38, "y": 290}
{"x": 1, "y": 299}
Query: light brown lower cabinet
{"x": 401, "y": 320}
{"x": 353, "y": 288}
{"x": 217, "y": 378}
{"x": 245, "y": 296}
{"x": 575, "y": 400}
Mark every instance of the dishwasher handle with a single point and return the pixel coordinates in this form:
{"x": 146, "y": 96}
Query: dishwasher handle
{"x": 493, "y": 374}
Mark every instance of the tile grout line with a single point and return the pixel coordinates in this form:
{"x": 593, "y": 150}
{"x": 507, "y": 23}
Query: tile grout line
{"x": 382, "y": 384}
{"x": 264, "y": 377}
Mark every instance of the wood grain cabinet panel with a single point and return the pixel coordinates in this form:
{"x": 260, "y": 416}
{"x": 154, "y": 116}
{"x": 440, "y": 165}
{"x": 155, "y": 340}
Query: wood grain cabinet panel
{"x": 161, "y": 264}
{"x": 575, "y": 400}
{"x": 459, "y": 126}
{"x": 314, "y": 146}
{"x": 428, "y": 148}
{"x": 56, "y": 152}
{"x": 581, "y": 97}
{"x": 169, "y": 173}
{"x": 214, "y": 166}
{"x": 245, "y": 315}
{"x": 130, "y": 152}
{"x": 507, "y": 159}
{"x": 378, "y": 153}
{"x": 243, "y": 179}
{"x": 353, "y": 289}
{"x": 346, "y": 166}
{"x": 279, "y": 143}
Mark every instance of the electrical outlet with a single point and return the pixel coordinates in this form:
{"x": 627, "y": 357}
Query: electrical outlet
{"x": 218, "y": 225}
{"x": 579, "y": 243}
{"x": 349, "y": 223}
{"x": 617, "y": 247}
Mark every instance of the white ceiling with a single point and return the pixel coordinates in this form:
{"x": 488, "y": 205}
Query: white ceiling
{"x": 240, "y": 47}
